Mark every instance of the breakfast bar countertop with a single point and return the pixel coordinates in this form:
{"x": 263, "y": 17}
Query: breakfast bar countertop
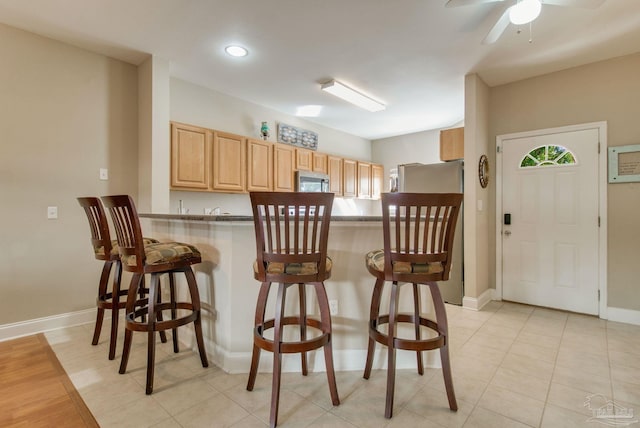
{"x": 248, "y": 218}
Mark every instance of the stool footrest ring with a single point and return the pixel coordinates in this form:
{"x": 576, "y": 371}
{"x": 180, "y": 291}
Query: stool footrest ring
{"x": 407, "y": 344}
{"x": 134, "y": 325}
{"x": 291, "y": 347}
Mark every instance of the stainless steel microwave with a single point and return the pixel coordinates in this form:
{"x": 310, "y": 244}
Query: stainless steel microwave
{"x": 307, "y": 181}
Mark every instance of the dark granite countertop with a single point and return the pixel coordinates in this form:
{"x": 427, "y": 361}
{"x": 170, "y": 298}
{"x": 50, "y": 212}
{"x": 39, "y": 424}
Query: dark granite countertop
{"x": 247, "y": 218}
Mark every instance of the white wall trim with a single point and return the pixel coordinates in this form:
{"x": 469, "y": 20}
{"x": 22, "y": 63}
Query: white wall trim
{"x": 477, "y": 303}
{"x": 628, "y": 316}
{"x": 40, "y": 325}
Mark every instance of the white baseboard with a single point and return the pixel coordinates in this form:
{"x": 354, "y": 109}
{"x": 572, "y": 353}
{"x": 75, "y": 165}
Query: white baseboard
{"x": 628, "y": 316}
{"x": 40, "y": 325}
{"x": 477, "y": 303}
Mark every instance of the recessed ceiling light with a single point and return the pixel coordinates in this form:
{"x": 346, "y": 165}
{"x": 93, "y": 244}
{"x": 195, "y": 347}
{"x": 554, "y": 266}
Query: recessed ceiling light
{"x": 309, "y": 111}
{"x": 235, "y": 50}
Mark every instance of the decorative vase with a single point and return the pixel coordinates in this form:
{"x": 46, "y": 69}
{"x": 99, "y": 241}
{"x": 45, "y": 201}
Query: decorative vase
{"x": 264, "y": 131}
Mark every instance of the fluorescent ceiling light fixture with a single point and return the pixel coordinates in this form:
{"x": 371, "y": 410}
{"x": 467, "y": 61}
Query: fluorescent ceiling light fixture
{"x": 524, "y": 11}
{"x": 235, "y": 50}
{"x": 309, "y": 111}
{"x": 354, "y": 97}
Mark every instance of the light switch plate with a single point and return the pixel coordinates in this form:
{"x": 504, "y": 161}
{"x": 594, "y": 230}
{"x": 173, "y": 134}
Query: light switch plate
{"x": 104, "y": 174}
{"x": 52, "y": 213}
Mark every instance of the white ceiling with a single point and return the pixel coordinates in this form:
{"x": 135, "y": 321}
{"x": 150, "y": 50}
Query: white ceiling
{"x": 410, "y": 54}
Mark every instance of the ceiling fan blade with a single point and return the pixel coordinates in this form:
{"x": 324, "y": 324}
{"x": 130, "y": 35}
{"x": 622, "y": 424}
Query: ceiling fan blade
{"x": 585, "y": 4}
{"x": 458, "y": 3}
{"x": 498, "y": 28}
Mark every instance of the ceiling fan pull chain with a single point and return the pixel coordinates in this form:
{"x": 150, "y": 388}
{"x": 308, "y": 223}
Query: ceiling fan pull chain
{"x": 530, "y": 32}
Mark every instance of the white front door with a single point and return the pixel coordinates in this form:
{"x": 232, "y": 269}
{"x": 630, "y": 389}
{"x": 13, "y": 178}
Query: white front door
{"x": 550, "y": 194}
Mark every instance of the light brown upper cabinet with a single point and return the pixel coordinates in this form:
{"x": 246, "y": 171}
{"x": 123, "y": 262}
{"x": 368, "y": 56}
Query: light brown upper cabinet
{"x": 452, "y": 144}
{"x": 349, "y": 178}
{"x": 259, "y": 166}
{"x": 364, "y": 180}
{"x": 303, "y": 160}
{"x": 190, "y": 157}
{"x": 377, "y": 180}
{"x": 283, "y": 164}
{"x": 229, "y": 162}
{"x": 320, "y": 162}
{"x": 335, "y": 174}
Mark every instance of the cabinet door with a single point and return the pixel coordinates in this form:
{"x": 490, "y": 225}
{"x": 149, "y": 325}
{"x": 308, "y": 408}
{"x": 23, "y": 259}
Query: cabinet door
{"x": 320, "y": 162}
{"x": 364, "y": 180}
{"x": 335, "y": 174}
{"x": 283, "y": 163}
{"x": 259, "y": 166}
{"x": 190, "y": 148}
{"x": 303, "y": 160}
{"x": 377, "y": 180}
{"x": 349, "y": 178}
{"x": 452, "y": 144}
{"x": 229, "y": 162}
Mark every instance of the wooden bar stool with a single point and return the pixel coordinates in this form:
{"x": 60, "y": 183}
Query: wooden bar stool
{"x": 145, "y": 314}
{"x": 418, "y": 231}
{"x": 291, "y": 239}
{"x": 107, "y": 250}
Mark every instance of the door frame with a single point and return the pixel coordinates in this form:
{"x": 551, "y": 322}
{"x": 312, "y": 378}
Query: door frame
{"x": 602, "y": 202}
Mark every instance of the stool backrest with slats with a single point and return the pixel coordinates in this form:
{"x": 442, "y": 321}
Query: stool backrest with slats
{"x": 418, "y": 231}
{"x": 128, "y": 232}
{"x": 292, "y": 228}
{"x": 100, "y": 237}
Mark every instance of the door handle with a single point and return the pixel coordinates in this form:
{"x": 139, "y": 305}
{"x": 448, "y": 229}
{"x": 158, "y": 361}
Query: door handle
{"x": 507, "y": 232}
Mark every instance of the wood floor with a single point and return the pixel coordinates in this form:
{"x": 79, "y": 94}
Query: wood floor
{"x": 35, "y": 390}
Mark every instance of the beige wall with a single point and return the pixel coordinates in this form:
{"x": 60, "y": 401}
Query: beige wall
{"x": 477, "y": 213}
{"x": 64, "y": 114}
{"x": 603, "y": 91}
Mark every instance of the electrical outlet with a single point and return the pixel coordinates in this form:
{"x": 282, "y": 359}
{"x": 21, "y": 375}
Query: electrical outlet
{"x": 333, "y": 307}
{"x": 52, "y": 212}
{"x": 104, "y": 174}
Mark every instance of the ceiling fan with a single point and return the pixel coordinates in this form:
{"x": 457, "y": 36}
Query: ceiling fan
{"x": 520, "y": 12}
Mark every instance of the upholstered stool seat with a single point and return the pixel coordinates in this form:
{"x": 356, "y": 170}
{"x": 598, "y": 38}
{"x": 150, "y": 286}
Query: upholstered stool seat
{"x": 145, "y": 314}
{"x": 375, "y": 265}
{"x": 418, "y": 234}
{"x": 291, "y": 249}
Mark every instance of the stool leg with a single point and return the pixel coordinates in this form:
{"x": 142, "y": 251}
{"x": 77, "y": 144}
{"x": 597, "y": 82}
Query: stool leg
{"x": 277, "y": 356}
{"x": 174, "y": 312}
{"x": 151, "y": 332}
{"x": 416, "y": 321}
{"x": 197, "y": 323}
{"x": 443, "y": 328}
{"x": 303, "y": 324}
{"x": 325, "y": 319}
{"x": 159, "y": 316}
{"x": 261, "y": 305}
{"x": 373, "y": 325}
{"x": 115, "y": 309}
{"x": 102, "y": 291}
{"x": 137, "y": 281}
{"x": 391, "y": 368}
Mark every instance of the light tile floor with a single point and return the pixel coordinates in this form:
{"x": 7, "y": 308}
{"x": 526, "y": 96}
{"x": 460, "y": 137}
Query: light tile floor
{"x": 513, "y": 366}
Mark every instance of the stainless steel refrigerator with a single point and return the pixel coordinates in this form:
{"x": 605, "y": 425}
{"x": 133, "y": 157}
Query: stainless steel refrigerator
{"x": 444, "y": 177}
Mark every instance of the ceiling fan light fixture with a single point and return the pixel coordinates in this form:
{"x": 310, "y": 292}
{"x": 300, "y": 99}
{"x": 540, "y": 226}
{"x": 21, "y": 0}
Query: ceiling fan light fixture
{"x": 524, "y": 11}
{"x": 340, "y": 90}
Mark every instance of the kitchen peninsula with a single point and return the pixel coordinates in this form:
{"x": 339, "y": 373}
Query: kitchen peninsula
{"x": 228, "y": 290}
